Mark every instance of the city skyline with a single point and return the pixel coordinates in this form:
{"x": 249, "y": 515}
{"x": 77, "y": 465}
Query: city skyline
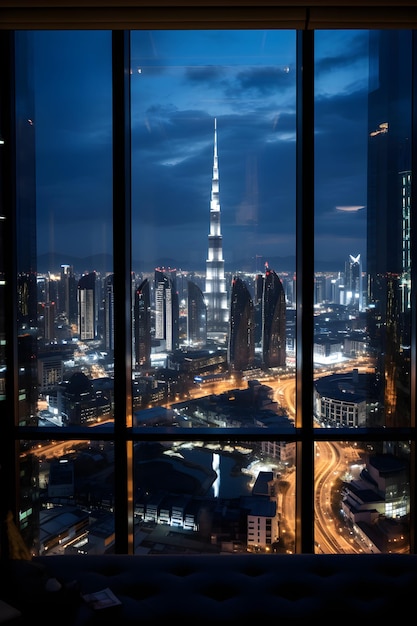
{"x": 246, "y": 81}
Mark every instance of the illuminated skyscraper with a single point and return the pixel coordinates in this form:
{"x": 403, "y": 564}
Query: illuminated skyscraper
{"x": 215, "y": 290}
{"x": 49, "y": 317}
{"x": 109, "y": 314}
{"x": 166, "y": 308}
{"x": 353, "y": 282}
{"x": 196, "y": 316}
{"x": 142, "y": 325}
{"x": 86, "y": 299}
{"x": 241, "y": 348}
{"x": 273, "y": 321}
{"x": 406, "y": 241}
{"x": 67, "y": 294}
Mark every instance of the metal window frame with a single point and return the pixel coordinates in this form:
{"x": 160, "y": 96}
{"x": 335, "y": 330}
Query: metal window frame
{"x": 124, "y": 435}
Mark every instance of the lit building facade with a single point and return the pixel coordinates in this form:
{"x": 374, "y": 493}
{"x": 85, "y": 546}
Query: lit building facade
{"x": 377, "y": 501}
{"x": 196, "y": 316}
{"x": 49, "y": 316}
{"x": 241, "y": 346}
{"x": 354, "y": 283}
{"x": 86, "y": 299}
{"x": 50, "y": 371}
{"x": 109, "y": 314}
{"x": 346, "y": 400}
{"x": 142, "y": 325}
{"x": 273, "y": 321}
{"x": 215, "y": 288}
{"x": 67, "y": 300}
{"x": 166, "y": 308}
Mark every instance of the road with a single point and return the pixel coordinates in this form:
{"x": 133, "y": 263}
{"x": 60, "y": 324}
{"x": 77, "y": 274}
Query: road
{"x": 331, "y": 463}
{"x": 330, "y": 535}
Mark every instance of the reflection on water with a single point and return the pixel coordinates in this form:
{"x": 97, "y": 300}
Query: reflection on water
{"x": 216, "y": 468}
{"x": 230, "y": 482}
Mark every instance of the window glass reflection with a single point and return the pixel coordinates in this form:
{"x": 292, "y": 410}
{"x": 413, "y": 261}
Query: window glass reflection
{"x": 362, "y": 285}
{"x": 64, "y": 306}
{"x": 65, "y": 297}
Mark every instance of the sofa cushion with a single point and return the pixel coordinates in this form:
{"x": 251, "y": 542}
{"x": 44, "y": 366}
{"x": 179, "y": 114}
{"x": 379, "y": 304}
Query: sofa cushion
{"x": 227, "y": 589}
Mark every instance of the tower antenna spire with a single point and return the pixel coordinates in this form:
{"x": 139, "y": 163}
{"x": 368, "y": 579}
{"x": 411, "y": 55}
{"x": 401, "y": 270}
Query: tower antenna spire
{"x": 215, "y": 290}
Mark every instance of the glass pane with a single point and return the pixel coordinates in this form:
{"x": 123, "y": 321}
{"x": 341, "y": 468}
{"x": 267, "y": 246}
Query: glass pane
{"x": 74, "y": 509}
{"x": 362, "y": 228}
{"x": 213, "y": 225}
{"x": 3, "y": 336}
{"x": 362, "y": 494}
{"x": 64, "y": 230}
{"x": 214, "y": 497}
{"x": 64, "y": 111}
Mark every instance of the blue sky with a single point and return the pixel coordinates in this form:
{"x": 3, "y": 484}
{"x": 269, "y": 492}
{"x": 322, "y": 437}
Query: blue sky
{"x": 180, "y": 82}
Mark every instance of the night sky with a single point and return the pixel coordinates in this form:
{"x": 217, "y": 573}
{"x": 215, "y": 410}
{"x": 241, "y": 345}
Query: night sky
{"x": 181, "y": 82}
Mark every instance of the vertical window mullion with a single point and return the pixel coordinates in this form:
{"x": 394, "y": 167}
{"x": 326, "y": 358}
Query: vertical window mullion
{"x": 9, "y": 444}
{"x": 413, "y": 385}
{"x": 305, "y": 292}
{"x": 122, "y": 292}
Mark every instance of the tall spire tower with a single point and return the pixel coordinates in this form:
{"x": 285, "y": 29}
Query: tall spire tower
{"x": 215, "y": 291}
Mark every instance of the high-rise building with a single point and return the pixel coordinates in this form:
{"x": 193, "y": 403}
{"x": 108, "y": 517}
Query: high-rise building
{"x": 109, "y": 314}
{"x": 273, "y": 321}
{"x": 166, "y": 308}
{"x": 406, "y": 240}
{"x": 388, "y": 213}
{"x": 259, "y": 288}
{"x": 319, "y": 288}
{"x": 196, "y": 316}
{"x": 142, "y": 325}
{"x": 336, "y": 289}
{"x": 49, "y": 317}
{"x": 354, "y": 283}
{"x": 86, "y": 299}
{"x": 67, "y": 301}
{"x": 257, "y": 303}
{"x": 241, "y": 341}
{"x": 215, "y": 288}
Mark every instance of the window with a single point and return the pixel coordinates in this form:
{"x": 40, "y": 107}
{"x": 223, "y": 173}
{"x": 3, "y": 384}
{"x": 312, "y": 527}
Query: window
{"x": 212, "y": 344}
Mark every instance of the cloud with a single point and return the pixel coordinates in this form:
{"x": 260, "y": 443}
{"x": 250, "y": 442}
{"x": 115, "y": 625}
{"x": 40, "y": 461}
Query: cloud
{"x": 349, "y": 209}
{"x": 246, "y": 81}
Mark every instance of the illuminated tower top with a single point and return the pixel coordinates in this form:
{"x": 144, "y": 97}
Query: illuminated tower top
{"x": 214, "y": 201}
{"x": 353, "y": 282}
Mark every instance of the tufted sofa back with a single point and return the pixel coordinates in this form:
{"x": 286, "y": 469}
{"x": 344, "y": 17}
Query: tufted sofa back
{"x": 220, "y": 589}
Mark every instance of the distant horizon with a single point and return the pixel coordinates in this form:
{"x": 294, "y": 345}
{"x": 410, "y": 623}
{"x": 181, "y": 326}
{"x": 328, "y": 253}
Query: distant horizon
{"x": 103, "y": 263}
